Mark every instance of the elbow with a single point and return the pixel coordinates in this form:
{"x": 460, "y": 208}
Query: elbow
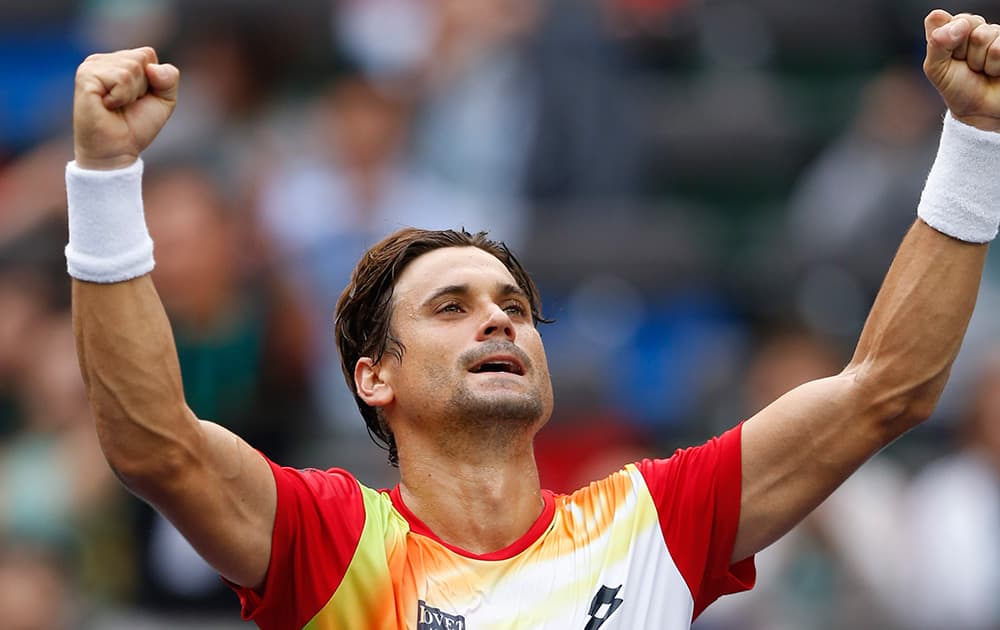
{"x": 920, "y": 406}
{"x": 152, "y": 463}
{"x": 911, "y": 410}
{"x": 894, "y": 403}
{"x": 155, "y": 475}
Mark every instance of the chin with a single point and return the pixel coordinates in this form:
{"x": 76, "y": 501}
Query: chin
{"x": 499, "y": 406}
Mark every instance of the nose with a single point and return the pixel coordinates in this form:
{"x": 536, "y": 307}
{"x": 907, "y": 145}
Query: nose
{"x": 496, "y": 324}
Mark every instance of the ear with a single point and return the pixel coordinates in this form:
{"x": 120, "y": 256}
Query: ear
{"x": 369, "y": 385}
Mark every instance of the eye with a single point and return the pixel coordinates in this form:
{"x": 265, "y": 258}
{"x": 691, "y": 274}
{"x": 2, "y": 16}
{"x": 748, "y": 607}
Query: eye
{"x": 516, "y": 308}
{"x": 450, "y": 307}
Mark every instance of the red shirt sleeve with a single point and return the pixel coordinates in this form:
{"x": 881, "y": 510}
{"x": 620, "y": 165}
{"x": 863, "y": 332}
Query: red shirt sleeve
{"x": 697, "y": 496}
{"x": 317, "y": 526}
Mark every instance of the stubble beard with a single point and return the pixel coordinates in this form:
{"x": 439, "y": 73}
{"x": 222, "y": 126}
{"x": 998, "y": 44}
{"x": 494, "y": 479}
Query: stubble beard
{"x": 495, "y": 407}
{"x": 494, "y": 420}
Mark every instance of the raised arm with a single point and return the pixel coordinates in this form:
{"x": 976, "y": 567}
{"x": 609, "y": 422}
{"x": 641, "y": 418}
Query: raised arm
{"x": 800, "y": 448}
{"x": 215, "y": 489}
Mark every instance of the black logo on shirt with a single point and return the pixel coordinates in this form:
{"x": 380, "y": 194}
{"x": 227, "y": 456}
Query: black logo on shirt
{"x": 603, "y": 606}
{"x": 430, "y": 618}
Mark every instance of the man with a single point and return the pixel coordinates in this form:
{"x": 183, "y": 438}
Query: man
{"x": 437, "y": 332}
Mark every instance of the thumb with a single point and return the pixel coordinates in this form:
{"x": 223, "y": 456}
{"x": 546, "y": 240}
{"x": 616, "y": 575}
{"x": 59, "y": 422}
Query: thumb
{"x": 935, "y": 20}
{"x": 164, "y": 79}
{"x": 945, "y": 35}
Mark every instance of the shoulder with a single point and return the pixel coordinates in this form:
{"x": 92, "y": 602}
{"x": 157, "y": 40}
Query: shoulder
{"x": 334, "y": 483}
{"x": 719, "y": 457}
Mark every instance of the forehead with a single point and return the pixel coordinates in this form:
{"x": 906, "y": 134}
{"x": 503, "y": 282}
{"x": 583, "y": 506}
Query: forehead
{"x": 450, "y": 266}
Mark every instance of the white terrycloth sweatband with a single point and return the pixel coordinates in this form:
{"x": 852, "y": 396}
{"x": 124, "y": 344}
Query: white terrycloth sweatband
{"x": 108, "y": 239}
{"x": 962, "y": 194}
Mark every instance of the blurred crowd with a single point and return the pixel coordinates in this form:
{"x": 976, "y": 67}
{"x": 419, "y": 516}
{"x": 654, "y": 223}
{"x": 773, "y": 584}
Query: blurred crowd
{"x": 708, "y": 194}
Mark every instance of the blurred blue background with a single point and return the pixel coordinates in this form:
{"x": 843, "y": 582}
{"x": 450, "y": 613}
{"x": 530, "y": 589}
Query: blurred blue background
{"x": 708, "y": 194}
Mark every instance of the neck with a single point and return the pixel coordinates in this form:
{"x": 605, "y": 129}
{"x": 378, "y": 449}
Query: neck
{"x": 481, "y": 503}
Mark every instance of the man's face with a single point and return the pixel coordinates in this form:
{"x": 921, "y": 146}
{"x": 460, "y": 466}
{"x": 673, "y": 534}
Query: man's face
{"x": 473, "y": 357}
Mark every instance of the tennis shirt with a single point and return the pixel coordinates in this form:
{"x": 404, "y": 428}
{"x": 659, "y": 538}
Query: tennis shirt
{"x": 647, "y": 547}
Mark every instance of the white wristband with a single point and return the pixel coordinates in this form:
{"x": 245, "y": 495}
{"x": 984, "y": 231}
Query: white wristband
{"x": 108, "y": 239}
{"x": 962, "y": 195}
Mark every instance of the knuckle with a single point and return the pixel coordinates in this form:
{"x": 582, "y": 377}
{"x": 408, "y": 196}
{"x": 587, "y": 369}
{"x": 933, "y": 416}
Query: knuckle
{"x": 121, "y": 76}
{"x": 982, "y": 35}
{"x": 127, "y": 73}
{"x": 87, "y": 66}
{"x": 86, "y": 70}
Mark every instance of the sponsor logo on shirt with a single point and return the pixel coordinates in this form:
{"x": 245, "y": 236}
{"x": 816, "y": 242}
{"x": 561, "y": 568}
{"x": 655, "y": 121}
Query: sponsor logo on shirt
{"x": 430, "y": 618}
{"x": 604, "y": 604}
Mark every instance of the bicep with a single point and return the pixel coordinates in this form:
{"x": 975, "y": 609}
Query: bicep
{"x": 796, "y": 451}
{"x": 223, "y": 500}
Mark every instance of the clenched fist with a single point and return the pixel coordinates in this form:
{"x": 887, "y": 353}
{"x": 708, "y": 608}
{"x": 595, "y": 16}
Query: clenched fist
{"x": 963, "y": 63}
{"x": 121, "y": 102}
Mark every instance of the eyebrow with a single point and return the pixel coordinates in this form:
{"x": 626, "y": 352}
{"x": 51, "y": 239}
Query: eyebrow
{"x": 502, "y": 289}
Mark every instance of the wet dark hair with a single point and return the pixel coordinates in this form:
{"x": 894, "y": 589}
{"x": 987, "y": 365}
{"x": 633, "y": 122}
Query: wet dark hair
{"x": 364, "y": 310}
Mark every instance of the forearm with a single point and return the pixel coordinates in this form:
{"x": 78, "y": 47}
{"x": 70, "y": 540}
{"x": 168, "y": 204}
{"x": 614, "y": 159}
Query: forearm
{"x": 129, "y": 364}
{"x": 915, "y": 327}
{"x": 918, "y": 320}
{"x": 805, "y": 444}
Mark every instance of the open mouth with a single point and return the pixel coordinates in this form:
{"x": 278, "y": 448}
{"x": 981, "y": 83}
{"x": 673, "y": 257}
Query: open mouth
{"x": 504, "y": 366}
